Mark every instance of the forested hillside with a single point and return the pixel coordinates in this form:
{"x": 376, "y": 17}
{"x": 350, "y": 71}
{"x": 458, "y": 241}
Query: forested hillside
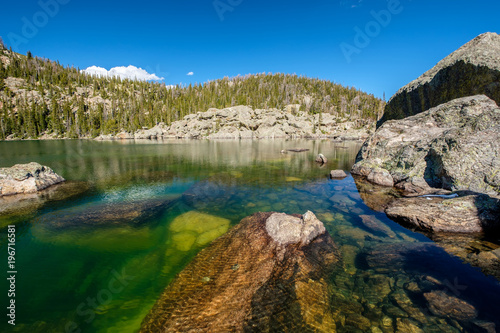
{"x": 39, "y": 97}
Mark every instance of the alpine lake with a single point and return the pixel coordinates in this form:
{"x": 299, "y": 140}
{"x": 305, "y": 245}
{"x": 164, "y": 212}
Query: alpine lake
{"x": 93, "y": 254}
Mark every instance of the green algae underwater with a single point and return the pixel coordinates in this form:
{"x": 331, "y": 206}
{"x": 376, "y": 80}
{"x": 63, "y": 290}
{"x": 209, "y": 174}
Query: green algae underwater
{"x": 95, "y": 253}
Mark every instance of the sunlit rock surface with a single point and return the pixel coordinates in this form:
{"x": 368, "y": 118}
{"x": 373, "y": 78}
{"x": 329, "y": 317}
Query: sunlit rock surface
{"x": 248, "y": 281}
{"x": 471, "y": 212}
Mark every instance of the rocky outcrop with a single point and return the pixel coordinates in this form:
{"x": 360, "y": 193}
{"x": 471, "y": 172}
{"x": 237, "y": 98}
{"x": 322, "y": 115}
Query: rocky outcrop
{"x": 471, "y": 70}
{"x": 242, "y": 122}
{"x": 471, "y": 212}
{"x": 21, "y": 204}
{"x": 455, "y": 146}
{"x": 338, "y": 174}
{"x": 27, "y": 178}
{"x": 266, "y": 274}
{"x": 155, "y": 132}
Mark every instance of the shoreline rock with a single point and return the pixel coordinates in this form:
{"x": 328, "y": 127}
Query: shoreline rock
{"x": 252, "y": 279}
{"x": 471, "y": 70}
{"x": 27, "y": 178}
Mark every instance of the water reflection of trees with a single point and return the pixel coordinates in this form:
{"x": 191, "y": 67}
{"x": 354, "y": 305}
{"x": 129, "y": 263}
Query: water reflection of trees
{"x": 150, "y": 161}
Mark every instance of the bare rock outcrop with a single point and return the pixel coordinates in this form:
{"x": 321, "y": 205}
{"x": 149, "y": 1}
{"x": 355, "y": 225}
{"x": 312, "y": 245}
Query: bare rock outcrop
{"x": 27, "y": 178}
{"x": 268, "y": 273}
{"x": 455, "y": 146}
{"x": 243, "y": 122}
{"x": 471, "y": 212}
{"x": 471, "y": 70}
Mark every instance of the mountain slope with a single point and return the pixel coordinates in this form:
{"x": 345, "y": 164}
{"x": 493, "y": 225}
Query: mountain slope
{"x": 40, "y": 98}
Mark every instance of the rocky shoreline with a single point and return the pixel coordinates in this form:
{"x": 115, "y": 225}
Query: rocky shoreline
{"x": 449, "y": 153}
{"x": 269, "y": 272}
{"x": 243, "y": 122}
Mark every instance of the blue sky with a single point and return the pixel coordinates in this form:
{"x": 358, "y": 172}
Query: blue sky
{"x": 221, "y": 38}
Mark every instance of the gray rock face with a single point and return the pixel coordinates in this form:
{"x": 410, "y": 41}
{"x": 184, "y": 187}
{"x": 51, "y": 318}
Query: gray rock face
{"x": 455, "y": 146}
{"x": 27, "y": 178}
{"x": 286, "y": 229}
{"x": 471, "y": 70}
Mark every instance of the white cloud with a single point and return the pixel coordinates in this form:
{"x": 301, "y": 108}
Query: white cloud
{"x": 190, "y": 73}
{"x": 130, "y": 72}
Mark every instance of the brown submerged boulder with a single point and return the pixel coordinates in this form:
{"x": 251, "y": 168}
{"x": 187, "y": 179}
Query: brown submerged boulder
{"x": 266, "y": 274}
{"x": 27, "y": 178}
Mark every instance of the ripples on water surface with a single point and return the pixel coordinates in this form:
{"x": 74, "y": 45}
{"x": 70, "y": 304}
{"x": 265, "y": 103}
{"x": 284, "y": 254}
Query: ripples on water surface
{"x": 96, "y": 252}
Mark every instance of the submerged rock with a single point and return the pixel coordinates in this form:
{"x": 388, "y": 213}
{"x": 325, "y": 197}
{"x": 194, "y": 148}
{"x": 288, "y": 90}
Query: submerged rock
{"x": 443, "y": 304}
{"x": 27, "y": 178}
{"x": 375, "y": 196}
{"x": 21, "y": 204}
{"x": 473, "y": 69}
{"x": 253, "y": 279}
{"x": 374, "y": 224}
{"x": 472, "y": 249}
{"x": 105, "y": 214}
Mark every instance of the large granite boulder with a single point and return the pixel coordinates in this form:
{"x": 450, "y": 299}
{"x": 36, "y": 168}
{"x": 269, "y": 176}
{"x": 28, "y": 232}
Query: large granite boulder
{"x": 471, "y": 70}
{"x": 27, "y": 178}
{"x": 455, "y": 146}
{"x": 268, "y": 273}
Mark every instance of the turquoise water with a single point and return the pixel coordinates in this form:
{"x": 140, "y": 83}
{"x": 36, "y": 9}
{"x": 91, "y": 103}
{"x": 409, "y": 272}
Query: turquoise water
{"x": 94, "y": 254}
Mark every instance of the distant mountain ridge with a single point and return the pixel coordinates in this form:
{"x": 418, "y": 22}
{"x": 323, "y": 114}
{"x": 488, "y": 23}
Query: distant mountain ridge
{"x": 40, "y": 98}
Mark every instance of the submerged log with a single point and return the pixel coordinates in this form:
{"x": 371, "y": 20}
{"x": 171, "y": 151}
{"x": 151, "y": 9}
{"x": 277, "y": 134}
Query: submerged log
{"x": 268, "y": 273}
